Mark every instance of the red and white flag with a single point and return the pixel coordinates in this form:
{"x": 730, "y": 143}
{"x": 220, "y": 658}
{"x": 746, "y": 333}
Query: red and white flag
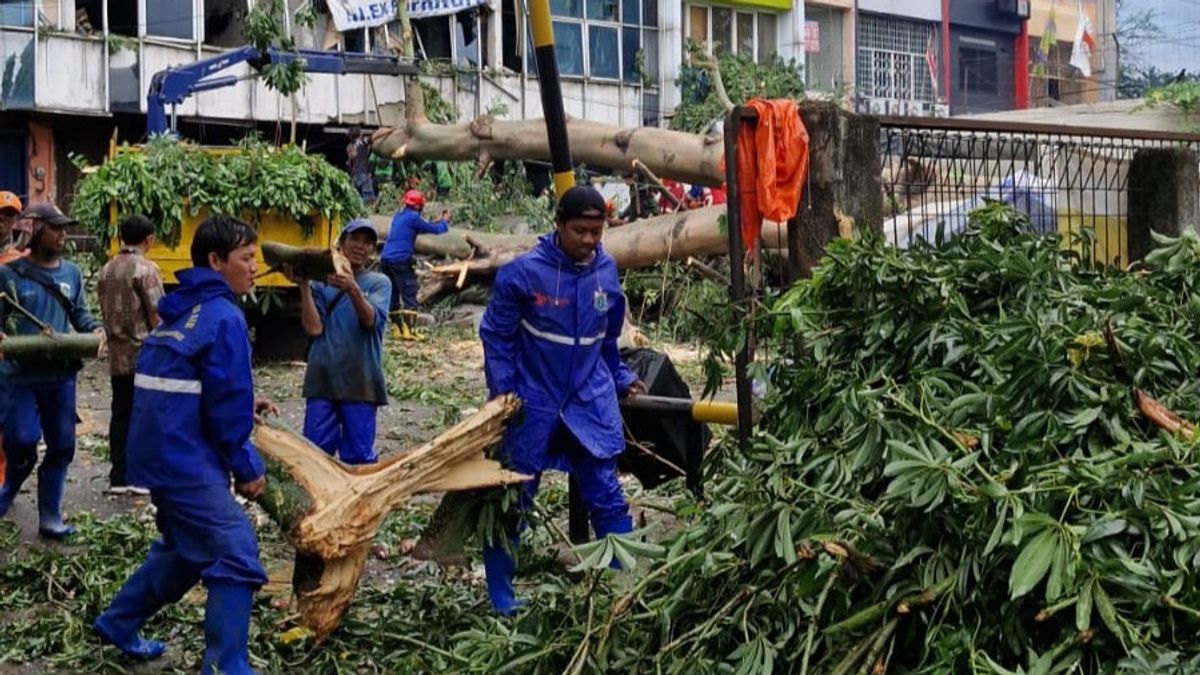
{"x": 1085, "y": 43}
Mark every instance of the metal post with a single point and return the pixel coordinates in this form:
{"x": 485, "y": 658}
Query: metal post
{"x": 552, "y": 101}
{"x": 737, "y": 269}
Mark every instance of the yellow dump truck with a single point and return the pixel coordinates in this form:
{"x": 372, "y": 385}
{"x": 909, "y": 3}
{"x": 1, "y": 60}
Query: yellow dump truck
{"x": 275, "y": 317}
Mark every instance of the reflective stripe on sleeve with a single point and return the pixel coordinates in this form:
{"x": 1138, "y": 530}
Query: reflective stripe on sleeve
{"x": 167, "y": 384}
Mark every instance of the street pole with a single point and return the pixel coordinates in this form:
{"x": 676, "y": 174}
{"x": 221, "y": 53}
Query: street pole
{"x": 552, "y": 101}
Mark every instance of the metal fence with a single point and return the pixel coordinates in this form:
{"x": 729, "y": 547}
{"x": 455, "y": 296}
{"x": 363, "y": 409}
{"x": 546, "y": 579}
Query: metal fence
{"x": 935, "y": 171}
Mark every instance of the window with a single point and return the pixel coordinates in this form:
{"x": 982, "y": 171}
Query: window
{"x": 650, "y": 13}
{"x": 223, "y": 23}
{"x": 724, "y": 30}
{"x": 891, "y": 58}
{"x": 604, "y": 52}
{"x": 651, "y": 116}
{"x": 433, "y": 37}
{"x": 16, "y": 70}
{"x": 170, "y": 18}
{"x": 629, "y": 12}
{"x": 977, "y": 70}
{"x": 469, "y": 40}
{"x": 508, "y": 36}
{"x": 768, "y": 44}
{"x": 745, "y": 34}
{"x": 16, "y": 13}
{"x": 123, "y": 17}
{"x": 355, "y": 40}
{"x": 568, "y": 47}
{"x": 602, "y": 10}
{"x": 630, "y": 46}
{"x": 571, "y": 8}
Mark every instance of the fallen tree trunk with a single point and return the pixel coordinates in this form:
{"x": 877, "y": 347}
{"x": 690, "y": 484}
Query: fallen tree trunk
{"x": 643, "y": 243}
{"x": 331, "y": 512}
{"x": 59, "y": 346}
{"x": 691, "y": 158}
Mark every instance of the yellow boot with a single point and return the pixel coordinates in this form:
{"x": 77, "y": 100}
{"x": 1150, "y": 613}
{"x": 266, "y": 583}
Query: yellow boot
{"x": 402, "y": 327}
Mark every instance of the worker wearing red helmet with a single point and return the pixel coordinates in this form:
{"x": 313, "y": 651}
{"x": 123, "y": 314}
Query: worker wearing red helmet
{"x": 397, "y": 257}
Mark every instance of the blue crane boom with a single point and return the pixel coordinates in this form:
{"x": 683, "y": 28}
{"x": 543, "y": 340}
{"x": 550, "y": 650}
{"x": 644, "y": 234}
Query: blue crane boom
{"x": 172, "y": 86}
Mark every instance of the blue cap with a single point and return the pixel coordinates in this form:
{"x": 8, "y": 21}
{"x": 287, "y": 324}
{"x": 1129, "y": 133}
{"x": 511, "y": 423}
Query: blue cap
{"x": 358, "y": 225}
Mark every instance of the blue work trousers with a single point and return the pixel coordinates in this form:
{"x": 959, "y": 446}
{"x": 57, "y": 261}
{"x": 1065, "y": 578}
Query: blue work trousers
{"x": 345, "y": 429}
{"x": 40, "y": 411}
{"x": 404, "y": 284}
{"x": 205, "y": 537}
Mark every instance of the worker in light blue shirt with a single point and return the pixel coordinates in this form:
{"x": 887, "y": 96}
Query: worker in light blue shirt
{"x": 397, "y": 257}
{"x": 346, "y": 317}
{"x": 41, "y": 397}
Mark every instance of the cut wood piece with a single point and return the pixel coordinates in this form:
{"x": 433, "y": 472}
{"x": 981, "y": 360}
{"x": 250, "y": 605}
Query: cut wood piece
{"x": 331, "y": 512}
{"x": 1163, "y": 417}
{"x": 307, "y": 262}
{"x": 669, "y": 154}
{"x": 55, "y": 347}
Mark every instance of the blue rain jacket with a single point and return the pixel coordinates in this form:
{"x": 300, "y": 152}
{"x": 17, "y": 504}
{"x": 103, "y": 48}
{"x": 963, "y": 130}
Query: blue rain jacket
{"x": 550, "y": 335}
{"x": 406, "y": 225}
{"x": 193, "y": 403}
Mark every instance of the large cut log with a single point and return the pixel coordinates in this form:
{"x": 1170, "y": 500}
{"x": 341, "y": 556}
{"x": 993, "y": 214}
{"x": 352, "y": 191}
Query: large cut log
{"x": 331, "y": 512}
{"x": 644, "y": 243}
{"x": 59, "y": 346}
{"x": 306, "y": 262}
{"x": 691, "y": 158}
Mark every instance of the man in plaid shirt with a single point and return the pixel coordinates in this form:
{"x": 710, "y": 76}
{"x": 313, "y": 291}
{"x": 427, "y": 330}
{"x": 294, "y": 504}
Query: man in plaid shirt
{"x": 130, "y": 288}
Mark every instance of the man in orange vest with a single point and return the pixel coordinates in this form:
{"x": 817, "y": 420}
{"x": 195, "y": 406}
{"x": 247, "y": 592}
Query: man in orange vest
{"x": 10, "y": 208}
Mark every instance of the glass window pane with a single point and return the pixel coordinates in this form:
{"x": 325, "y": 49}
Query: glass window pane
{"x": 767, "y": 40}
{"x": 602, "y": 10}
{"x": 745, "y": 34}
{"x": 650, "y": 50}
{"x": 650, "y": 112}
{"x": 629, "y": 11}
{"x": 650, "y": 12}
{"x": 722, "y": 29}
{"x": 466, "y": 40}
{"x": 631, "y": 44}
{"x": 169, "y": 18}
{"x": 16, "y": 13}
{"x": 698, "y": 24}
{"x": 568, "y": 48}
{"x": 602, "y": 49}
{"x": 16, "y": 67}
{"x": 354, "y": 40}
{"x": 572, "y": 8}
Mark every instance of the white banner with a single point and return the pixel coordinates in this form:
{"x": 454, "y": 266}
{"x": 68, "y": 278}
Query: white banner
{"x": 422, "y": 8}
{"x": 355, "y": 14}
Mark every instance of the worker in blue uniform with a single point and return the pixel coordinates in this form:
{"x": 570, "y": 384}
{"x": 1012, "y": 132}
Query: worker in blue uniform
{"x": 550, "y": 337}
{"x": 396, "y": 260}
{"x": 193, "y": 412}
{"x": 346, "y": 317}
{"x": 41, "y": 396}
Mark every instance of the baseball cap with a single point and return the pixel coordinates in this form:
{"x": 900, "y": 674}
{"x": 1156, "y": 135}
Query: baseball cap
{"x": 9, "y": 202}
{"x": 48, "y": 214}
{"x": 581, "y": 201}
{"x": 359, "y": 225}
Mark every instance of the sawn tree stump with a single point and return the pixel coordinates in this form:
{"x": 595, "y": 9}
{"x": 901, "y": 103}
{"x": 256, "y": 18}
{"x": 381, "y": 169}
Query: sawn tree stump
{"x": 331, "y": 511}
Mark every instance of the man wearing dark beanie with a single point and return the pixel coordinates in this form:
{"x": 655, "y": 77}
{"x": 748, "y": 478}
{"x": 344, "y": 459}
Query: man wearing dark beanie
{"x": 550, "y": 337}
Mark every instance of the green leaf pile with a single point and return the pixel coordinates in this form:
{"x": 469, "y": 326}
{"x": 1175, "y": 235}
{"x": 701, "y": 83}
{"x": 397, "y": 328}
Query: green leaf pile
{"x": 950, "y": 477}
{"x": 168, "y": 181}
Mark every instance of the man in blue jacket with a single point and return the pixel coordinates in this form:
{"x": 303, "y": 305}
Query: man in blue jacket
{"x": 550, "y": 336}
{"x": 346, "y": 317}
{"x": 397, "y": 257}
{"x": 193, "y": 413}
{"x": 41, "y": 403}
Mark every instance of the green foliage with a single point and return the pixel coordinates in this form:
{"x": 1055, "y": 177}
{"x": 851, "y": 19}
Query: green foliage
{"x": 169, "y": 181}
{"x": 672, "y": 302}
{"x": 264, "y": 29}
{"x": 743, "y": 78}
{"x": 1183, "y": 94}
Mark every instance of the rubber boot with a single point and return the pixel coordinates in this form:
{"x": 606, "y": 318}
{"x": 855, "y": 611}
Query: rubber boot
{"x": 15, "y": 475}
{"x": 405, "y": 321}
{"x": 51, "y": 484}
{"x": 227, "y": 630}
{"x": 156, "y": 583}
{"x": 500, "y": 568}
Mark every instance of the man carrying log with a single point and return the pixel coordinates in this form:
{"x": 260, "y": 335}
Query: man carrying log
{"x": 397, "y": 257}
{"x": 44, "y": 293}
{"x": 345, "y": 317}
{"x": 130, "y": 287}
{"x": 193, "y": 412}
{"x": 550, "y": 336}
